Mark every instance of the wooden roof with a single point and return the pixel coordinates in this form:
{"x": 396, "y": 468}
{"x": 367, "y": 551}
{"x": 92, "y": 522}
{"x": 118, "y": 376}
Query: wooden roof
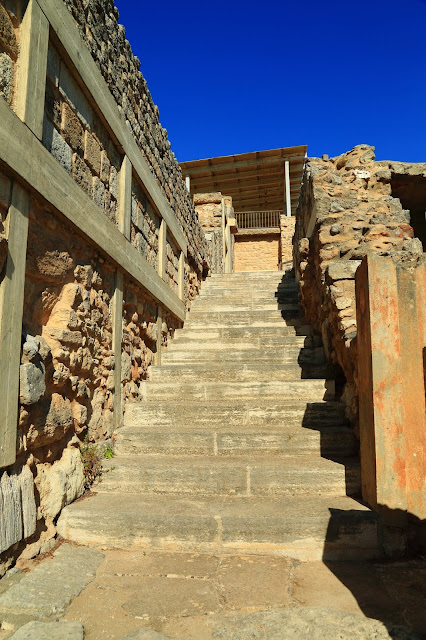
{"x": 254, "y": 180}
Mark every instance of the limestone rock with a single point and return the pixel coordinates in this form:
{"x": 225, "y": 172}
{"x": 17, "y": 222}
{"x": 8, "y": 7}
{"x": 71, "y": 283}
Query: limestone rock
{"x": 60, "y": 483}
{"x": 342, "y": 269}
{"x": 50, "y": 631}
{"x": 145, "y": 634}
{"x": 32, "y": 384}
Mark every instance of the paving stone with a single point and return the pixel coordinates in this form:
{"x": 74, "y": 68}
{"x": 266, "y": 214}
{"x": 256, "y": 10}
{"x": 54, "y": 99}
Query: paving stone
{"x": 36, "y": 630}
{"x": 48, "y": 589}
{"x": 303, "y": 623}
{"x": 145, "y": 634}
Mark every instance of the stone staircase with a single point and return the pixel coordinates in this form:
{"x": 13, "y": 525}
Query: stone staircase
{"x": 238, "y": 445}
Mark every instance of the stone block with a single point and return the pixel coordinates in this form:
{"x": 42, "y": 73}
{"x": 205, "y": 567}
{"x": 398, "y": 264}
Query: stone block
{"x": 75, "y": 96}
{"x": 17, "y": 507}
{"x": 7, "y": 33}
{"x": 6, "y": 76}
{"x": 32, "y": 384}
{"x": 82, "y": 174}
{"x": 98, "y": 192}
{"x": 50, "y": 631}
{"x": 72, "y": 129}
{"x": 58, "y": 147}
{"x": 60, "y": 483}
{"x": 342, "y": 270}
{"x": 92, "y": 153}
{"x": 105, "y": 167}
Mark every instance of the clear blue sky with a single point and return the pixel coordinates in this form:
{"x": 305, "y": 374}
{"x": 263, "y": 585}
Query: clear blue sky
{"x": 232, "y": 76}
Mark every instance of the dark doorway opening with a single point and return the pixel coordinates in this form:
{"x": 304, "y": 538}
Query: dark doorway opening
{"x": 411, "y": 191}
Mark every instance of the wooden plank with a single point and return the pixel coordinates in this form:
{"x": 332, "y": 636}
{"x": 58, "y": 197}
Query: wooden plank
{"x": 32, "y": 68}
{"x": 162, "y": 247}
{"x": 66, "y": 31}
{"x": 181, "y": 276}
{"x": 287, "y": 188}
{"x": 125, "y": 197}
{"x": 193, "y": 170}
{"x": 26, "y": 157}
{"x": 11, "y": 309}
{"x": 239, "y": 180}
{"x": 117, "y": 335}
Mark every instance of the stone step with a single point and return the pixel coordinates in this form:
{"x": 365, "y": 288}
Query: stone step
{"x": 309, "y": 390}
{"x": 222, "y": 304}
{"x": 210, "y": 341}
{"x": 269, "y": 414}
{"x": 304, "y": 527}
{"x": 244, "y": 319}
{"x": 234, "y": 372}
{"x": 241, "y": 475}
{"x": 247, "y": 289}
{"x": 249, "y": 354}
{"x": 330, "y": 442}
{"x": 202, "y": 333}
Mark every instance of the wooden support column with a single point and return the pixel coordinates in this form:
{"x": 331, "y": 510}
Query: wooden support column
{"x": 32, "y": 68}
{"x": 188, "y": 183}
{"x": 159, "y": 334}
{"x": 181, "y": 291}
{"x": 162, "y": 247}
{"x": 11, "y": 309}
{"x": 287, "y": 188}
{"x": 125, "y": 197}
{"x": 117, "y": 334}
{"x": 124, "y": 220}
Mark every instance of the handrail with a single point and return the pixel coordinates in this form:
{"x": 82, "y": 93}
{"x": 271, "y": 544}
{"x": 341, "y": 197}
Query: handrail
{"x": 258, "y": 219}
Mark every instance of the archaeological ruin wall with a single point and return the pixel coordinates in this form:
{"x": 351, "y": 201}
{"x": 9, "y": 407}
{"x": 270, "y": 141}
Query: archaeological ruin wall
{"x": 347, "y": 210}
{"x": 101, "y": 251}
{"x": 216, "y": 216}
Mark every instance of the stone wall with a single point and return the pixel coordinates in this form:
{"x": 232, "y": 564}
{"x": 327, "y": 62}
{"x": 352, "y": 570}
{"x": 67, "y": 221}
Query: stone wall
{"x": 257, "y": 250}
{"x": 287, "y": 224}
{"x": 346, "y": 211}
{"x": 214, "y": 210}
{"x": 69, "y": 391}
{"x": 106, "y": 39}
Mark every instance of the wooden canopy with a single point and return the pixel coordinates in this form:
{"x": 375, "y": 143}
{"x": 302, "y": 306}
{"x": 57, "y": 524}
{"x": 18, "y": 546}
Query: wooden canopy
{"x": 256, "y": 181}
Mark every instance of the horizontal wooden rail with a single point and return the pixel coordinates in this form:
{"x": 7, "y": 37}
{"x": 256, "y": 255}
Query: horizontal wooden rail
{"x": 258, "y": 219}
{"x": 25, "y": 155}
{"x": 66, "y": 31}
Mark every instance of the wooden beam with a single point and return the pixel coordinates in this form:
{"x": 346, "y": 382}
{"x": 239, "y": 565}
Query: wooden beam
{"x": 287, "y": 188}
{"x": 159, "y": 334}
{"x": 194, "y": 170}
{"x": 225, "y": 177}
{"x": 125, "y": 197}
{"x": 11, "y": 309}
{"x": 32, "y": 68}
{"x": 117, "y": 336}
{"x": 162, "y": 248}
{"x": 98, "y": 91}
{"x": 181, "y": 291}
{"x": 26, "y": 157}
{"x": 231, "y": 185}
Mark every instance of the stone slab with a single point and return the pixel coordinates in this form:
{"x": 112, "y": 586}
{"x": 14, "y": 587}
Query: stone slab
{"x": 37, "y": 630}
{"x": 48, "y": 589}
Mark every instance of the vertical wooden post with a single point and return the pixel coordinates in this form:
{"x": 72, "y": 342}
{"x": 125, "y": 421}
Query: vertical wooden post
{"x": 188, "y": 183}
{"x": 117, "y": 334}
{"x": 181, "y": 290}
{"x": 32, "y": 68}
{"x": 11, "y": 309}
{"x": 124, "y": 221}
{"x": 287, "y": 188}
{"x": 159, "y": 334}
{"x": 125, "y": 197}
{"x": 162, "y": 246}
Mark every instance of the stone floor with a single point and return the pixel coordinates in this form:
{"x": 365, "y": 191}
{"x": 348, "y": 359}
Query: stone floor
{"x": 116, "y": 593}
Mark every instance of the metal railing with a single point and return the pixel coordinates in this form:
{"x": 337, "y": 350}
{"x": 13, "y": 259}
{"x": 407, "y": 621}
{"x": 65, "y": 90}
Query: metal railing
{"x": 258, "y": 219}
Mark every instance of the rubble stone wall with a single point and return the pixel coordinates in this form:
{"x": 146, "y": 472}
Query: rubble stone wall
{"x": 67, "y": 391}
{"x": 346, "y": 211}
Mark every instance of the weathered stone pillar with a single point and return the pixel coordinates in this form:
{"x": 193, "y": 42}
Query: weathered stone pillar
{"x": 391, "y": 340}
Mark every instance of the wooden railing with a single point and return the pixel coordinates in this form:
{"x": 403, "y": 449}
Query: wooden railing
{"x": 258, "y": 219}
{"x": 35, "y": 171}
